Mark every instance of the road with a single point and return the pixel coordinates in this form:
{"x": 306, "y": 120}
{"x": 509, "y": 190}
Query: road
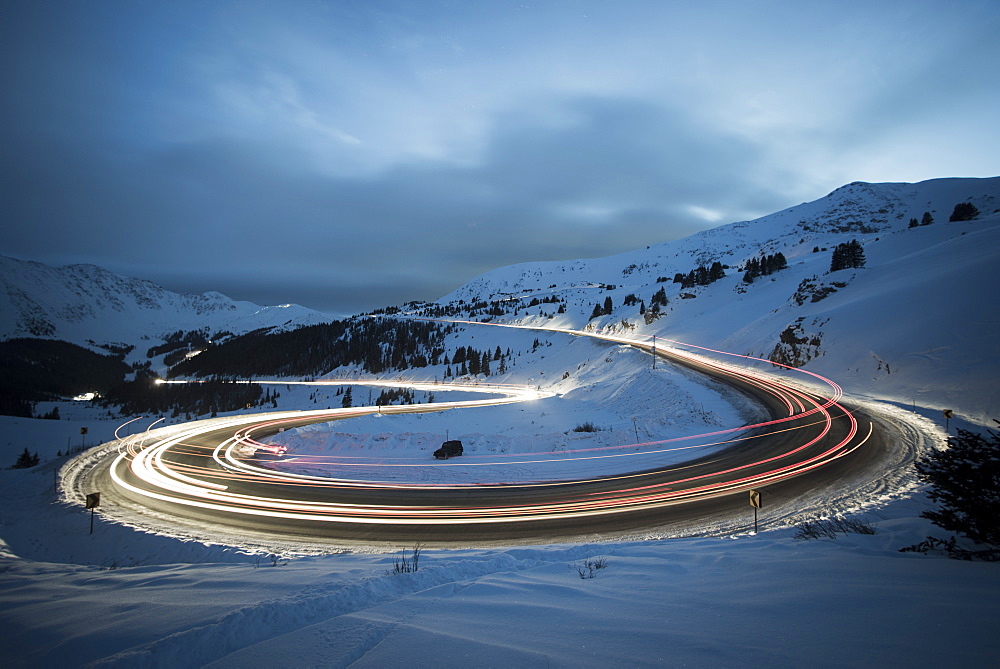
{"x": 200, "y": 482}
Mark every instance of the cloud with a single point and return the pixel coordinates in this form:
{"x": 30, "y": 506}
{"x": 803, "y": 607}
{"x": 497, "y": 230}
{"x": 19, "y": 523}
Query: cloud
{"x": 350, "y": 156}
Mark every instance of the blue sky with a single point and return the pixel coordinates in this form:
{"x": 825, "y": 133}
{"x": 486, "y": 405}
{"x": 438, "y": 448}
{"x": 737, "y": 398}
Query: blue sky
{"x": 350, "y": 155}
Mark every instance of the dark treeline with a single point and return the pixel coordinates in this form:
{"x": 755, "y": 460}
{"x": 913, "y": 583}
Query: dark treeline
{"x": 469, "y": 361}
{"x": 763, "y": 266}
{"x": 180, "y": 340}
{"x": 376, "y": 344}
{"x": 144, "y": 396}
{"x": 483, "y": 309}
{"x": 701, "y": 275}
{"x": 36, "y": 370}
{"x": 848, "y": 255}
{"x": 395, "y": 396}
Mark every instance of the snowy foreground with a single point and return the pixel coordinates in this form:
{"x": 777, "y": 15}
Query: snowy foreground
{"x": 764, "y": 600}
{"x": 913, "y": 333}
{"x": 123, "y": 597}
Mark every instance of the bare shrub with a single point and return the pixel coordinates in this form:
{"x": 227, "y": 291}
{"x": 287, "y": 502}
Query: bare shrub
{"x": 589, "y": 567}
{"x": 402, "y": 565}
{"x": 586, "y": 427}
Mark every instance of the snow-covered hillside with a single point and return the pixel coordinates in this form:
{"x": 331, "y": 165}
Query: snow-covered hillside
{"x": 913, "y": 329}
{"x": 85, "y": 304}
{"x": 916, "y": 325}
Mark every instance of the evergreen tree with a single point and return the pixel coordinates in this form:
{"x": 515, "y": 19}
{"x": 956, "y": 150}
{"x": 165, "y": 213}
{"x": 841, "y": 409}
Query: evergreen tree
{"x": 849, "y": 255}
{"x": 964, "y": 211}
{"x": 856, "y": 254}
{"x": 752, "y": 270}
{"x": 597, "y": 312}
{"x": 716, "y": 271}
{"x": 348, "y": 400}
{"x": 926, "y": 219}
{"x": 608, "y": 305}
{"x": 780, "y": 262}
{"x": 484, "y": 364}
{"x": 965, "y": 481}
{"x": 914, "y": 222}
{"x": 26, "y": 460}
{"x": 701, "y": 276}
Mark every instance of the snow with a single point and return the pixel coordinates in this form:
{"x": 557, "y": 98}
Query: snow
{"x": 643, "y": 419}
{"x": 765, "y": 599}
{"x": 908, "y": 335}
{"x": 90, "y": 306}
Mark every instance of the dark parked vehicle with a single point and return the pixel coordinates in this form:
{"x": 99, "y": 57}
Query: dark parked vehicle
{"x": 449, "y": 449}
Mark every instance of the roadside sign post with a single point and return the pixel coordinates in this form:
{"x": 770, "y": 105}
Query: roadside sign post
{"x": 756, "y": 504}
{"x": 83, "y": 432}
{"x": 948, "y": 413}
{"x": 93, "y": 501}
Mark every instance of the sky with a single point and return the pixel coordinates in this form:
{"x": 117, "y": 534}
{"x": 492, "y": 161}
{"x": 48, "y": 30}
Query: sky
{"x": 351, "y": 155}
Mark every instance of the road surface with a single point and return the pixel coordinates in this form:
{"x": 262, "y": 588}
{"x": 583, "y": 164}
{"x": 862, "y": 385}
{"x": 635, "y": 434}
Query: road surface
{"x": 199, "y": 481}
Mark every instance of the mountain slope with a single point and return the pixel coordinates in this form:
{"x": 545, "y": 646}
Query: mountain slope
{"x": 87, "y": 304}
{"x": 915, "y": 325}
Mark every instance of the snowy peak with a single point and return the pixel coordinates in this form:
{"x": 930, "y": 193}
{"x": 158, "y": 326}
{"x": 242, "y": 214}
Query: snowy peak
{"x": 906, "y": 320}
{"x": 88, "y": 304}
{"x": 858, "y": 210}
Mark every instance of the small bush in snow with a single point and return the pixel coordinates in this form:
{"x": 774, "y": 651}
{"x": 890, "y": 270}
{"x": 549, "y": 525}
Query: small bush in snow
{"x": 589, "y": 567}
{"x": 401, "y": 565}
{"x": 586, "y": 427}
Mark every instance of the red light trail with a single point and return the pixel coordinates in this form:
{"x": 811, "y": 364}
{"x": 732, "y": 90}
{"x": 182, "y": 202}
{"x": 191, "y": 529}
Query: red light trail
{"x": 210, "y": 465}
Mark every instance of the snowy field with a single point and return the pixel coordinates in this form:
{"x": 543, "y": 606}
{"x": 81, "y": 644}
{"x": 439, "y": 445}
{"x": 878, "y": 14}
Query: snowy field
{"x": 614, "y": 417}
{"x": 124, "y": 597}
{"x": 910, "y": 335}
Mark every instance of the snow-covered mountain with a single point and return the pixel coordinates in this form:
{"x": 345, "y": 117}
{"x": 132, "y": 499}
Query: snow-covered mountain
{"x": 914, "y": 325}
{"x": 917, "y": 324}
{"x": 86, "y": 304}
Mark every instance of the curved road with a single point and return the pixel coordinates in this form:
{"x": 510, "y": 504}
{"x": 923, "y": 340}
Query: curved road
{"x": 199, "y": 479}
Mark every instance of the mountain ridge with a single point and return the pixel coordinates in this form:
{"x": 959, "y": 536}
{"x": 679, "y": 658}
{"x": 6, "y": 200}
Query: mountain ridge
{"x": 913, "y": 324}
{"x": 87, "y": 305}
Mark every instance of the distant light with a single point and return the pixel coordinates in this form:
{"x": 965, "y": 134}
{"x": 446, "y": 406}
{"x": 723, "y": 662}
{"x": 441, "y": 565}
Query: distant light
{"x": 85, "y": 397}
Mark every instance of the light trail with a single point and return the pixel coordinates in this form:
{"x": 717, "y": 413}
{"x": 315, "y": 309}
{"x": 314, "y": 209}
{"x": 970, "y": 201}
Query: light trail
{"x": 211, "y": 466}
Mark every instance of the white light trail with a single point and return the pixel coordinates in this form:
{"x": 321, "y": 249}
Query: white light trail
{"x": 175, "y": 470}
